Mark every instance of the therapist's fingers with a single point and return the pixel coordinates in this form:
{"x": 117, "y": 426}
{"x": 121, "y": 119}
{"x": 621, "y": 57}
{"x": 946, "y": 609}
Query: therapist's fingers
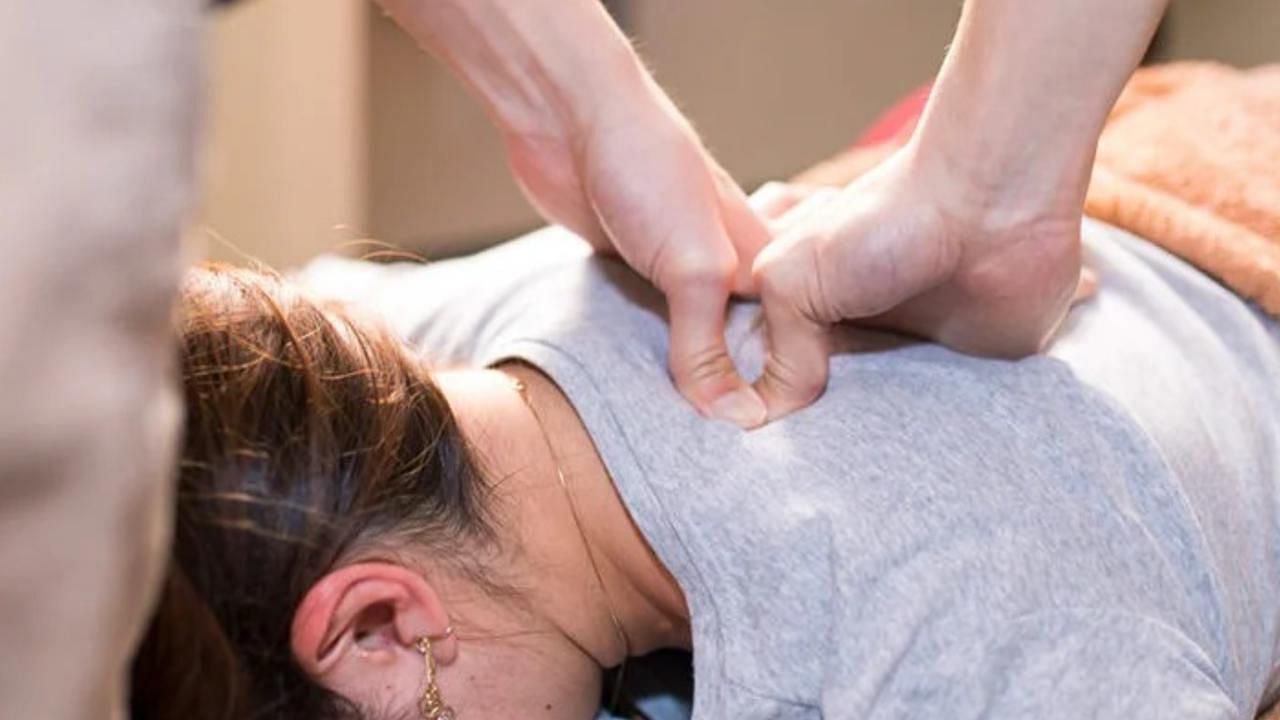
{"x": 814, "y": 202}
{"x": 774, "y": 199}
{"x": 798, "y": 340}
{"x": 699, "y": 358}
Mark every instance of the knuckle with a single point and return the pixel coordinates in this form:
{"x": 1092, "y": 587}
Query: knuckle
{"x": 702, "y": 268}
{"x": 775, "y": 273}
{"x": 771, "y": 280}
{"x": 798, "y": 279}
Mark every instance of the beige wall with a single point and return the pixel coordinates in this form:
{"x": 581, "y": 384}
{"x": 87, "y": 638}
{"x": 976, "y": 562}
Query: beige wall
{"x": 1240, "y": 32}
{"x": 438, "y": 179}
{"x": 285, "y": 167}
{"x": 331, "y": 117}
{"x": 776, "y": 86}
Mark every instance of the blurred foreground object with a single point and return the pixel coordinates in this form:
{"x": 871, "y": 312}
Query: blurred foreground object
{"x": 97, "y": 143}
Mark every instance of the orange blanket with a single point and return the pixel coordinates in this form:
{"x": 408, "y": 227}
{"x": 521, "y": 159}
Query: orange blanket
{"x": 1190, "y": 160}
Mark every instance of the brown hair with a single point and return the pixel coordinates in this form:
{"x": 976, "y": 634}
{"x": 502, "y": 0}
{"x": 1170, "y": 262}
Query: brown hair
{"x": 309, "y": 439}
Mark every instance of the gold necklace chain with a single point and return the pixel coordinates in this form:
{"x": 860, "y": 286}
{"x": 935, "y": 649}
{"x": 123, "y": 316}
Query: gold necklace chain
{"x": 523, "y": 391}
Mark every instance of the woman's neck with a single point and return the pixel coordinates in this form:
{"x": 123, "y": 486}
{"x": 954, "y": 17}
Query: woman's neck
{"x": 519, "y": 447}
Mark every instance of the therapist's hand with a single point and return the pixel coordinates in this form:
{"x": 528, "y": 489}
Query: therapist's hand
{"x": 599, "y": 148}
{"x": 970, "y": 235}
{"x": 639, "y": 182}
{"x": 901, "y": 249}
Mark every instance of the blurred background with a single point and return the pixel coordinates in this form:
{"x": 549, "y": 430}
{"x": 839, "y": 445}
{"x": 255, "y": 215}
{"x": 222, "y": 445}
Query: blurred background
{"x": 330, "y": 126}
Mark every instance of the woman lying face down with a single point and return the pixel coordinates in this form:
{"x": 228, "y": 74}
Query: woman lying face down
{"x": 939, "y": 534}
{"x": 332, "y": 514}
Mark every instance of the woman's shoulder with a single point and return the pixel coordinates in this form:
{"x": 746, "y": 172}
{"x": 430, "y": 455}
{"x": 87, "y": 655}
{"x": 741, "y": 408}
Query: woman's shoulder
{"x": 450, "y": 309}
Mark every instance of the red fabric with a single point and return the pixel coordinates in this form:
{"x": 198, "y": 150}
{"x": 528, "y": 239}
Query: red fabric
{"x": 898, "y": 119}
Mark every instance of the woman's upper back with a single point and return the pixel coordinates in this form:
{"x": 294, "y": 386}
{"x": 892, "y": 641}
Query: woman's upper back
{"x": 937, "y": 531}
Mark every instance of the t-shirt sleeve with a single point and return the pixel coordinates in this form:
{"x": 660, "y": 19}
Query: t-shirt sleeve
{"x": 1066, "y": 665}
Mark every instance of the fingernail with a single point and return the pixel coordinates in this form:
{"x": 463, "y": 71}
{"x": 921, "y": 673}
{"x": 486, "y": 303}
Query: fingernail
{"x": 742, "y": 407}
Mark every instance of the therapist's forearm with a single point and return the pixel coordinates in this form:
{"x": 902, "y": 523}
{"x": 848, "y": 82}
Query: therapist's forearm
{"x": 1024, "y": 93}
{"x": 539, "y": 66}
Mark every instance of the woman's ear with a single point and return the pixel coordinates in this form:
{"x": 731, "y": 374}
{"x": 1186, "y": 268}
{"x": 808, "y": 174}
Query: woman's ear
{"x": 365, "y": 619}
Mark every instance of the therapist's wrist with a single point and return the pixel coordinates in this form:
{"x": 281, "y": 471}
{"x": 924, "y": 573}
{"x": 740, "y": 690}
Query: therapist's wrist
{"x": 993, "y": 154}
{"x": 1001, "y": 186}
{"x": 1023, "y": 95}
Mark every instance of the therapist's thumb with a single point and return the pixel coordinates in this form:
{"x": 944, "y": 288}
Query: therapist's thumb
{"x": 697, "y": 298}
{"x": 797, "y": 340}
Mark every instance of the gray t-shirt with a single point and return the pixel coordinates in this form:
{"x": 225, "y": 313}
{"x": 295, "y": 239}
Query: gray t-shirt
{"x": 1091, "y": 534}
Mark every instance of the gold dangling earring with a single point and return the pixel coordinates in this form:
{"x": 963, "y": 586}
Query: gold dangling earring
{"x": 431, "y": 706}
